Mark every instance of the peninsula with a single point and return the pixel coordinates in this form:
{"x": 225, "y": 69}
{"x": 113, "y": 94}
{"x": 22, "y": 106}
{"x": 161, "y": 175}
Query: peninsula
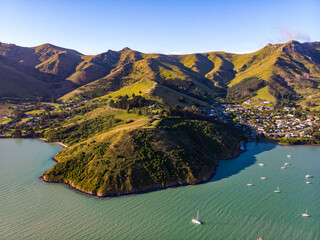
{"x": 135, "y": 122}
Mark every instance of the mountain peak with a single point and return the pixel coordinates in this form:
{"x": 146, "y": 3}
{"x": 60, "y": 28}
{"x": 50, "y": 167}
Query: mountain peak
{"x": 293, "y": 46}
{"x": 48, "y": 47}
{"x": 293, "y": 42}
{"x": 126, "y": 49}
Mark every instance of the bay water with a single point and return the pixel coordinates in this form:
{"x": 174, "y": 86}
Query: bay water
{"x": 229, "y": 209}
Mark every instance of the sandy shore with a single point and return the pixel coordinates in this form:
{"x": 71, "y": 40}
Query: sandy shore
{"x": 59, "y": 143}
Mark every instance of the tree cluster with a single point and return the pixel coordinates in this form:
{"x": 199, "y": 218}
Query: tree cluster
{"x": 124, "y": 102}
{"x": 245, "y": 89}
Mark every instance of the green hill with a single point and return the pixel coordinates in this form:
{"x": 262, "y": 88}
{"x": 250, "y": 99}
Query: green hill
{"x": 113, "y": 152}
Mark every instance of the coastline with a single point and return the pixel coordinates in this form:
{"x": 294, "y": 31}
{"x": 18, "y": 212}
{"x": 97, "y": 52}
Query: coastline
{"x": 41, "y": 139}
{"x": 135, "y": 192}
{"x": 155, "y": 187}
{"x": 128, "y": 193}
{"x": 284, "y": 144}
{"x": 58, "y": 143}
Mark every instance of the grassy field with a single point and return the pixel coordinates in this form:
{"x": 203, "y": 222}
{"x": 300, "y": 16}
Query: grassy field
{"x": 143, "y": 87}
{"x": 264, "y": 93}
{"x": 23, "y": 120}
{"x": 169, "y": 96}
{"x": 5, "y": 121}
{"x": 35, "y": 112}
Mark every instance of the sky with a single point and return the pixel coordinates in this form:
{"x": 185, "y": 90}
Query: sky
{"x": 161, "y": 26}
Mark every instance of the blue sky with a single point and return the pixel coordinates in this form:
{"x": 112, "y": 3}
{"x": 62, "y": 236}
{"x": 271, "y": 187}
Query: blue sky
{"x": 164, "y": 26}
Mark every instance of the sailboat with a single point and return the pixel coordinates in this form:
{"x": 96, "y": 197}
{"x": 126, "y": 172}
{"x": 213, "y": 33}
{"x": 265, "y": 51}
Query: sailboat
{"x": 305, "y": 214}
{"x": 277, "y": 190}
{"x": 196, "y": 220}
{"x": 250, "y": 184}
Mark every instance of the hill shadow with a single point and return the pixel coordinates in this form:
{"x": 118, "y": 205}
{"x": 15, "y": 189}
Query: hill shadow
{"x": 227, "y": 168}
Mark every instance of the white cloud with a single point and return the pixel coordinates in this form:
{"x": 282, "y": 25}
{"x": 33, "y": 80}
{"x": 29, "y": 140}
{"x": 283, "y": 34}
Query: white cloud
{"x": 175, "y": 53}
{"x": 288, "y": 34}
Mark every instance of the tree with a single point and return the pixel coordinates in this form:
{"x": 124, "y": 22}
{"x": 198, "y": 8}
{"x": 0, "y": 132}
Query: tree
{"x": 316, "y": 136}
{"x": 30, "y": 133}
{"x": 181, "y": 99}
{"x": 17, "y": 133}
{"x": 17, "y": 115}
{"x": 53, "y": 100}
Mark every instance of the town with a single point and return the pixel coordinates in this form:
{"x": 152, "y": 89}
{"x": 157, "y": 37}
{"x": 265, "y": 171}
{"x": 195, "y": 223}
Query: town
{"x": 288, "y": 125}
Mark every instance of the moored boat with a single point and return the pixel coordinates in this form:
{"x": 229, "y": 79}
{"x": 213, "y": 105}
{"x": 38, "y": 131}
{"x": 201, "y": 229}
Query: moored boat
{"x": 196, "y": 220}
{"x": 250, "y": 184}
{"x": 277, "y": 190}
{"x": 305, "y": 214}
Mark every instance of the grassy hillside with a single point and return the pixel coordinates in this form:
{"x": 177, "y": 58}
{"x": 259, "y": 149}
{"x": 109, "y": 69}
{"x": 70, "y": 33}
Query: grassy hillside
{"x": 295, "y": 63}
{"x": 68, "y": 74}
{"x": 113, "y": 152}
{"x": 208, "y": 75}
{"x": 36, "y": 72}
{"x": 15, "y": 82}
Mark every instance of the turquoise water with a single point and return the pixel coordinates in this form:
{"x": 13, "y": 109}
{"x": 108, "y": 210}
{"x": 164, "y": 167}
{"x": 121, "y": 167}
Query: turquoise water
{"x": 229, "y": 209}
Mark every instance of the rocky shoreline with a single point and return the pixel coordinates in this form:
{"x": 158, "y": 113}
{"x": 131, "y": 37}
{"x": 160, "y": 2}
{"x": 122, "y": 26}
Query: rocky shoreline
{"x": 135, "y": 192}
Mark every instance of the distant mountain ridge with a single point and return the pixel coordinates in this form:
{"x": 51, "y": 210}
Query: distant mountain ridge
{"x": 290, "y": 72}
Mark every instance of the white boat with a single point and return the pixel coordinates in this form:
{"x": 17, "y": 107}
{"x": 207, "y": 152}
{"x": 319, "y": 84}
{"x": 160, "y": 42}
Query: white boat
{"x": 286, "y": 164}
{"x": 250, "y": 184}
{"x": 196, "y": 220}
{"x": 263, "y": 178}
{"x": 308, "y": 182}
{"x": 289, "y": 155}
{"x": 261, "y": 164}
{"x": 309, "y": 176}
{"x": 277, "y": 190}
{"x": 283, "y": 167}
{"x": 305, "y": 214}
